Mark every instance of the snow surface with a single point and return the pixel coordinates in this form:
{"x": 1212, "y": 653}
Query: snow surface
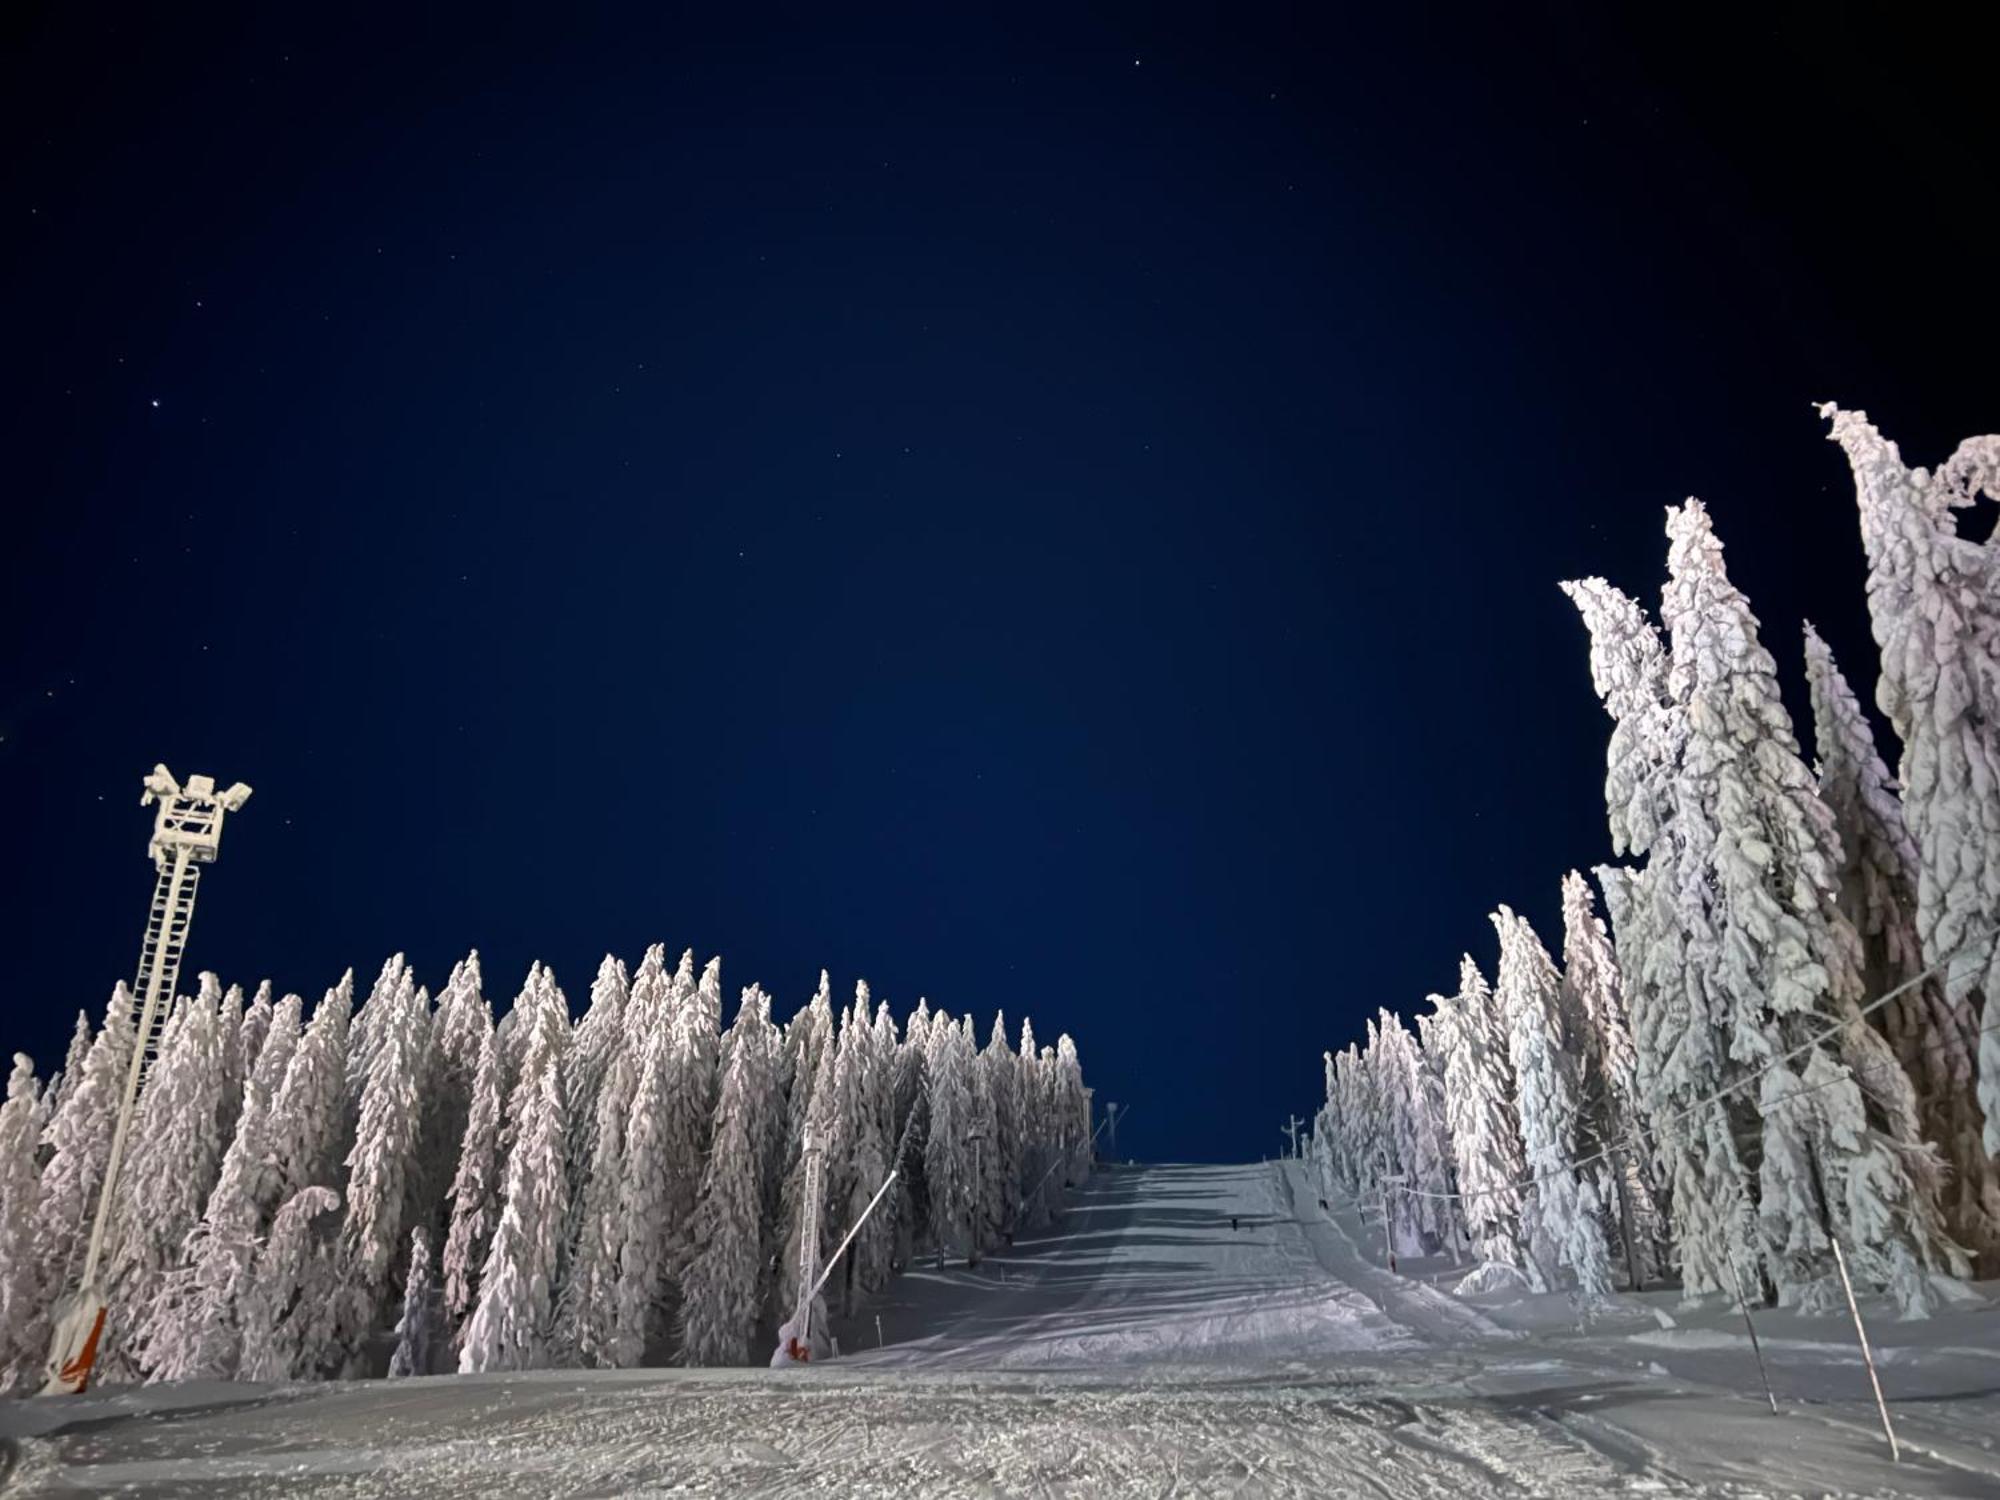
{"x": 1142, "y": 1347}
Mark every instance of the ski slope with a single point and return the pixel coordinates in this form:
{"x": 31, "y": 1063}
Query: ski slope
{"x": 1144, "y": 1347}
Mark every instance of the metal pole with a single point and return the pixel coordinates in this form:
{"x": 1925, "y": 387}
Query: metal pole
{"x": 148, "y": 1010}
{"x": 1388, "y": 1238}
{"x": 1867, "y": 1357}
{"x": 1743, "y": 1301}
{"x": 834, "y": 1259}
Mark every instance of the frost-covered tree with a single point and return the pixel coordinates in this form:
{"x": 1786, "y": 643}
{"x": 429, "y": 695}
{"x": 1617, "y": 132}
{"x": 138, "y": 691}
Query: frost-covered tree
{"x": 175, "y": 1153}
{"x": 22, "y": 1297}
{"x": 287, "y": 1326}
{"x": 1934, "y": 601}
{"x": 818, "y": 1128}
{"x": 475, "y": 1188}
{"x": 230, "y": 1017}
{"x": 1679, "y": 1031}
{"x": 81, "y": 1036}
{"x": 1611, "y": 1098}
{"x": 1003, "y": 1086}
{"x": 458, "y": 1031}
{"x": 1419, "y": 1148}
{"x": 417, "y": 1328}
{"x": 509, "y": 1327}
{"x": 598, "y": 1039}
{"x": 307, "y": 1118}
{"x": 1935, "y": 1035}
{"x": 382, "y": 1162}
{"x": 1777, "y": 961}
{"x": 646, "y": 1228}
{"x": 78, "y": 1141}
{"x": 195, "y": 1331}
{"x": 1484, "y": 1133}
{"x": 1562, "y": 1200}
{"x": 948, "y": 1150}
{"x": 723, "y": 1282}
{"x": 586, "y": 1314}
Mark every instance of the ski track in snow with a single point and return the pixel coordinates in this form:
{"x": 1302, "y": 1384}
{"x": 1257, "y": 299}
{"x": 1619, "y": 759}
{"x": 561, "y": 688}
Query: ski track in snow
{"x": 1143, "y": 1348}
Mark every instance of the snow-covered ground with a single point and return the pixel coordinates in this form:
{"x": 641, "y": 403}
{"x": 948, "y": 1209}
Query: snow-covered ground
{"x": 1145, "y": 1348}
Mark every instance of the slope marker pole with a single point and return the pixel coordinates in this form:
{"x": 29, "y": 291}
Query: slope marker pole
{"x": 1867, "y": 1356}
{"x": 1743, "y": 1301}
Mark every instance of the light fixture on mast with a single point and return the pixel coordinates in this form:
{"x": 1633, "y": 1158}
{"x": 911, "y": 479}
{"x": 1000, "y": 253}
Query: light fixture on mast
{"x": 187, "y": 831}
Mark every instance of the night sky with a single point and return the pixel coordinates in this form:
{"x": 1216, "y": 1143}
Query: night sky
{"x": 1052, "y": 509}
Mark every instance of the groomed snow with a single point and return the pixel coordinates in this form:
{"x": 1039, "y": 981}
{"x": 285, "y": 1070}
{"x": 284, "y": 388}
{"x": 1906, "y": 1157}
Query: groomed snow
{"x": 1144, "y": 1347}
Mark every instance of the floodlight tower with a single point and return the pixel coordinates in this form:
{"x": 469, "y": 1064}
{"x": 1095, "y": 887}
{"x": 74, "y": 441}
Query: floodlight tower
{"x": 187, "y": 831}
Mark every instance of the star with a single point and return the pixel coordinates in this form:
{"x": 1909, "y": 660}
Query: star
{"x": 156, "y": 406}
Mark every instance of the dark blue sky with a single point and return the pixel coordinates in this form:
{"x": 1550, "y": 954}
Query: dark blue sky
{"x": 1057, "y": 510}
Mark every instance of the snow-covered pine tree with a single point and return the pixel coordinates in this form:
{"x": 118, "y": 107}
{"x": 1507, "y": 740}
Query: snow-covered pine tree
{"x": 195, "y": 1332}
{"x": 1679, "y": 1032}
{"x": 822, "y": 1112}
{"x": 390, "y": 991}
{"x": 947, "y": 1150}
{"x": 81, "y": 1036}
{"x": 587, "y": 1309}
{"x": 1935, "y": 1035}
{"x": 1420, "y": 1146}
{"x": 307, "y": 1123}
{"x": 381, "y": 1163}
{"x": 169, "y": 1170}
{"x": 1003, "y": 1086}
{"x": 1778, "y": 962}
{"x": 643, "y": 1229}
{"x": 78, "y": 1141}
{"x": 723, "y": 1283}
{"x": 287, "y": 1330}
{"x": 1563, "y": 1201}
{"x": 1433, "y": 1037}
{"x": 255, "y": 1027}
{"x": 475, "y": 1188}
{"x": 417, "y": 1327}
{"x": 1484, "y": 1130}
{"x": 22, "y": 1297}
{"x": 1612, "y": 1100}
{"x": 230, "y": 1016}
{"x": 599, "y": 1037}
{"x": 1934, "y": 602}
{"x": 509, "y": 1327}
{"x": 458, "y": 1032}
{"x": 1073, "y": 1102}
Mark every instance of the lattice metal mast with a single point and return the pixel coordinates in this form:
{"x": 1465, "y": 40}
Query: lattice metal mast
{"x": 187, "y": 832}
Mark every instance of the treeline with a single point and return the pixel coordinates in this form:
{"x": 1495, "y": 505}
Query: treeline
{"x": 1718, "y": 1089}
{"x": 411, "y": 1186}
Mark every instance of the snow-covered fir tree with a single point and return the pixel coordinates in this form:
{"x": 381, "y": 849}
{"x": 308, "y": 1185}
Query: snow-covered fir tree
{"x": 948, "y": 1148}
{"x": 1562, "y": 1200}
{"x": 286, "y": 1314}
{"x": 510, "y": 1325}
{"x": 644, "y": 1231}
{"x": 417, "y": 1326}
{"x": 383, "y": 1160}
{"x": 1777, "y": 961}
{"x": 723, "y": 1282}
{"x": 1934, "y": 603}
{"x": 1483, "y": 1128}
{"x": 23, "y": 1324}
{"x": 170, "y": 1167}
{"x": 1612, "y": 1098}
{"x": 1935, "y": 1035}
{"x": 77, "y": 1140}
{"x": 307, "y": 1120}
{"x": 586, "y": 1313}
{"x": 475, "y": 1187}
{"x": 194, "y": 1331}
{"x": 1679, "y": 1031}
